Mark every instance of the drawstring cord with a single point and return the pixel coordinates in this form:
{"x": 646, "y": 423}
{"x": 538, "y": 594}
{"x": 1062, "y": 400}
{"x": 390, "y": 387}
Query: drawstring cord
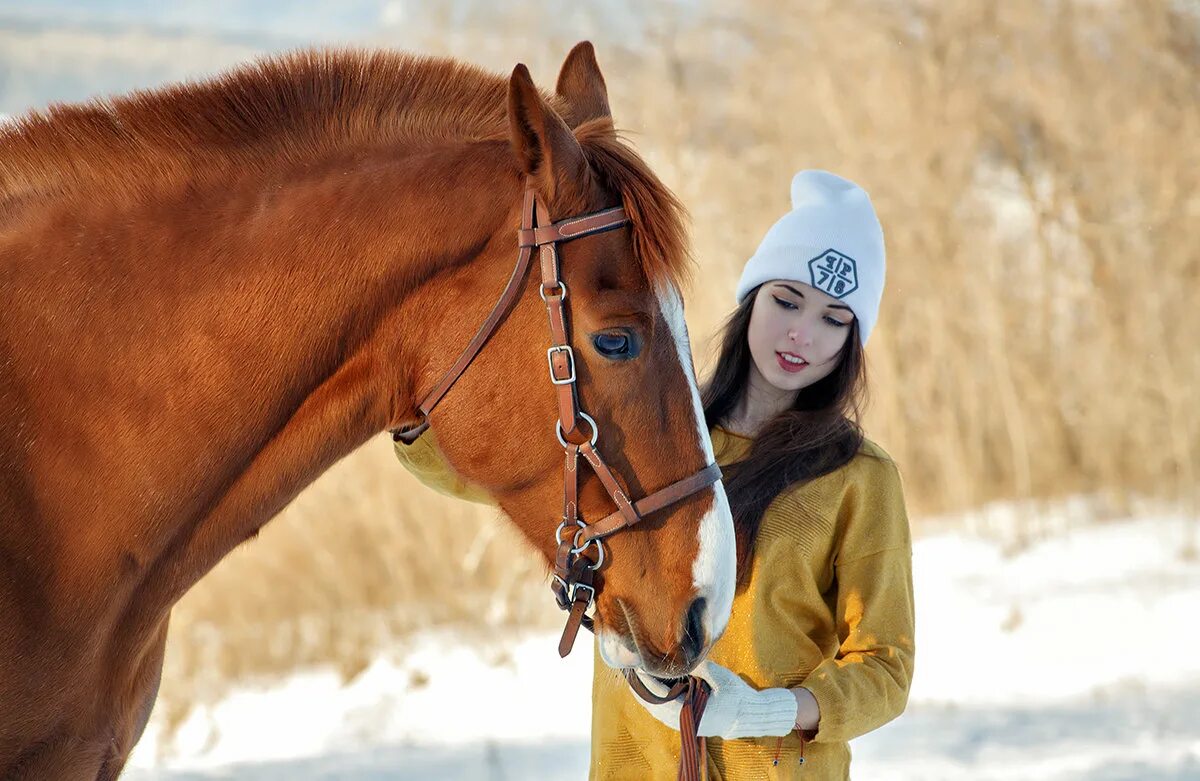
{"x": 779, "y": 749}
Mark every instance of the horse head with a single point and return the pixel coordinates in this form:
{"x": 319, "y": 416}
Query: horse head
{"x": 665, "y": 586}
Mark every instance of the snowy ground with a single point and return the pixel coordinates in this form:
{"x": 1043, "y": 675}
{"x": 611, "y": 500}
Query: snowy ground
{"x": 1078, "y": 657}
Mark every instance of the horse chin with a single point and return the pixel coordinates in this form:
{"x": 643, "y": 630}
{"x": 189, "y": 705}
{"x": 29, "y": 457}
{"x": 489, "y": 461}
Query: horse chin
{"x": 620, "y": 652}
{"x": 616, "y": 652}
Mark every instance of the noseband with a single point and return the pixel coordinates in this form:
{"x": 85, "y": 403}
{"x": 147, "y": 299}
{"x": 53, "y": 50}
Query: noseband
{"x": 574, "y": 566}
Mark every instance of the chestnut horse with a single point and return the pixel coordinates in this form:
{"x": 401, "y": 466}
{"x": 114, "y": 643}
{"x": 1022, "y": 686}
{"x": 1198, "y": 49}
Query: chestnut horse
{"x": 213, "y": 292}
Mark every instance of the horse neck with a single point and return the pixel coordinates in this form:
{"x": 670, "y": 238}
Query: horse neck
{"x": 354, "y": 253}
{"x": 266, "y": 336}
{"x": 345, "y": 257}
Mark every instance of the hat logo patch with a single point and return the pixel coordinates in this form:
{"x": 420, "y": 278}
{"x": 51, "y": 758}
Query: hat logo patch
{"x": 834, "y": 273}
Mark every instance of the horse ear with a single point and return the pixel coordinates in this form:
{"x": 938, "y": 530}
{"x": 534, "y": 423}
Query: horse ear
{"x": 581, "y": 84}
{"x": 543, "y": 144}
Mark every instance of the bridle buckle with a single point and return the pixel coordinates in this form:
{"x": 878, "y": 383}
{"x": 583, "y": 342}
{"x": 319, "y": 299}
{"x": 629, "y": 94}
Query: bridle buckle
{"x": 566, "y": 350}
{"x": 575, "y": 589}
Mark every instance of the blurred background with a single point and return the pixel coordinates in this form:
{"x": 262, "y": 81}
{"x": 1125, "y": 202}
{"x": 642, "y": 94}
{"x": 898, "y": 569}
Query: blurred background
{"x": 1035, "y": 371}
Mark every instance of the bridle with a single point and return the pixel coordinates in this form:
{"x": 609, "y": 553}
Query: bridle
{"x": 574, "y": 569}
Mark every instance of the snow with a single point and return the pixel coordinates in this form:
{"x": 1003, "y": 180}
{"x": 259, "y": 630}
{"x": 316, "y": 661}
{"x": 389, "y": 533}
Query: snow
{"x": 1077, "y": 656}
{"x": 440, "y": 693}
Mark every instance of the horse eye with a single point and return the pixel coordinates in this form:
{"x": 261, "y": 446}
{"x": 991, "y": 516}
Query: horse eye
{"x": 614, "y": 345}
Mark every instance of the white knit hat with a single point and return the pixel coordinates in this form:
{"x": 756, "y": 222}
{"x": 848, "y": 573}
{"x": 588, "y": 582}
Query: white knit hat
{"x": 832, "y": 240}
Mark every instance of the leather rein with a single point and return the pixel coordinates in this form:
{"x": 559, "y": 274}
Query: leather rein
{"x": 574, "y": 565}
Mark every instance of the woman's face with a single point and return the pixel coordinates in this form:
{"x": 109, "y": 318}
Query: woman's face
{"x": 796, "y": 333}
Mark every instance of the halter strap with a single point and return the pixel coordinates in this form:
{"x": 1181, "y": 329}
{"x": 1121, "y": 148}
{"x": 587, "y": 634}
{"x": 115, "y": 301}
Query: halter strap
{"x": 573, "y": 228}
{"x": 528, "y": 237}
{"x": 656, "y": 501}
{"x": 508, "y": 298}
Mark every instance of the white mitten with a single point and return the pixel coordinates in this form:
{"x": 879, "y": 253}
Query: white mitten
{"x": 734, "y": 709}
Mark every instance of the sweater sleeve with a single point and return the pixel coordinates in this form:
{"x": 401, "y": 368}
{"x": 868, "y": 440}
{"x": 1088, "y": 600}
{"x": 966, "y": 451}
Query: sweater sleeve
{"x": 425, "y": 461}
{"x": 866, "y": 684}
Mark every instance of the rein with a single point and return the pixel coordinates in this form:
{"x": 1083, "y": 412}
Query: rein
{"x": 693, "y": 747}
{"x": 573, "y": 583}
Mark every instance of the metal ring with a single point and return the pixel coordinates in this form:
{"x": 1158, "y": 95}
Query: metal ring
{"x": 562, "y": 526}
{"x": 542, "y": 291}
{"x": 595, "y": 430}
{"x": 577, "y": 550}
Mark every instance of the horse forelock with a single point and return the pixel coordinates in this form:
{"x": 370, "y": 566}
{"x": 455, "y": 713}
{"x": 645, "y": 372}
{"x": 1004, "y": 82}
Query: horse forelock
{"x": 657, "y": 217}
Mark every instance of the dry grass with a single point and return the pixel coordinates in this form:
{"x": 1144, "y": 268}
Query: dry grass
{"x": 1036, "y": 167}
{"x": 364, "y": 558}
{"x": 1036, "y": 171}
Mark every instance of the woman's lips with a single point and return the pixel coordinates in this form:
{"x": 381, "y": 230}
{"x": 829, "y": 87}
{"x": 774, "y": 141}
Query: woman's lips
{"x": 787, "y": 365}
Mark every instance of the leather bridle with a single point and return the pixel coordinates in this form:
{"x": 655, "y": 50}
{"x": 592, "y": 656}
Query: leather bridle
{"x": 574, "y": 565}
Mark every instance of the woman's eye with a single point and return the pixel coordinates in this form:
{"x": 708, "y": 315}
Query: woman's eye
{"x": 614, "y": 345}
{"x": 835, "y": 322}
{"x": 784, "y": 303}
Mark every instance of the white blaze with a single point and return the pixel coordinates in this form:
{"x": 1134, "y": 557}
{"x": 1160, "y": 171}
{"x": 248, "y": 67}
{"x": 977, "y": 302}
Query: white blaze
{"x": 715, "y": 568}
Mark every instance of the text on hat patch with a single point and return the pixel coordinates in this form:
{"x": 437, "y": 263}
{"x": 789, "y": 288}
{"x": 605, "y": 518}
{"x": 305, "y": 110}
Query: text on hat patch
{"x": 834, "y": 273}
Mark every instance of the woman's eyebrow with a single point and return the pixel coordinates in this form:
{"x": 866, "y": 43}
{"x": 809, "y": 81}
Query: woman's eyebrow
{"x": 831, "y": 306}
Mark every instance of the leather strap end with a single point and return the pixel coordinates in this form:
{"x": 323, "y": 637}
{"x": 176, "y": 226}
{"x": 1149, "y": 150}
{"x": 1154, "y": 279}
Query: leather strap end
{"x": 571, "y": 630}
{"x": 410, "y": 435}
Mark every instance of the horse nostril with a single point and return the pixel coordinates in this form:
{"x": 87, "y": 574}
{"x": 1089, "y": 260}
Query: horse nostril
{"x": 693, "y": 629}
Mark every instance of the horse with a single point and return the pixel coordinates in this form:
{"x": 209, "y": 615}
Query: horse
{"x": 213, "y": 291}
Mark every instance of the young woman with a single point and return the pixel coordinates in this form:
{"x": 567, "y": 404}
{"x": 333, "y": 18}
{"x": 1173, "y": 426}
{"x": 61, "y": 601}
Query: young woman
{"x": 819, "y": 648}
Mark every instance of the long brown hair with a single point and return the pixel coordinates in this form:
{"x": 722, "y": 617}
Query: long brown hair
{"x": 817, "y": 434}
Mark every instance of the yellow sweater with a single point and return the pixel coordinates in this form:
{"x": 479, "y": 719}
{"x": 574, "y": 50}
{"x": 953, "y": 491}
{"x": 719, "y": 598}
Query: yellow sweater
{"x": 828, "y": 605}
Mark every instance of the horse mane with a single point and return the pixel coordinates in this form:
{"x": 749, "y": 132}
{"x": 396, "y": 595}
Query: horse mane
{"x": 275, "y": 112}
{"x": 289, "y": 111}
{"x": 658, "y": 219}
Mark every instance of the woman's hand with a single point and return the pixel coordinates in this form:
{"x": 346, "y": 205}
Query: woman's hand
{"x": 734, "y": 709}
{"x": 808, "y": 713}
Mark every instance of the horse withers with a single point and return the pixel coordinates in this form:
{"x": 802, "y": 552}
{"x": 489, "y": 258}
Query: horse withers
{"x": 212, "y": 292}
